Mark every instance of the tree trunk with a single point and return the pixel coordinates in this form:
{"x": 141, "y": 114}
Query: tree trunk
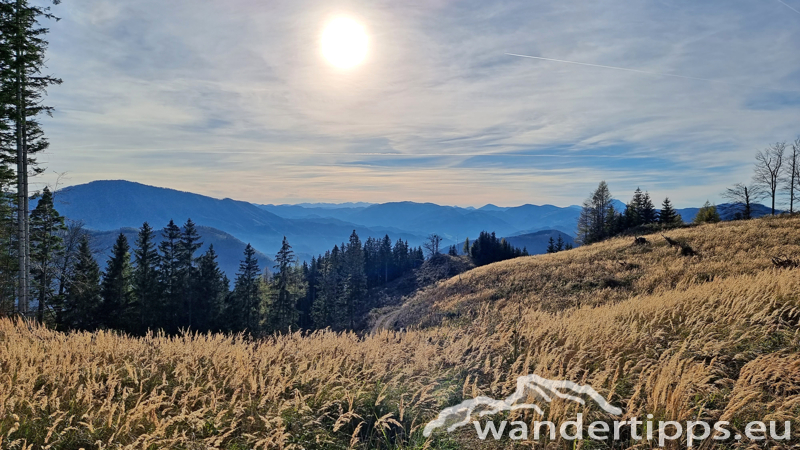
{"x": 22, "y": 210}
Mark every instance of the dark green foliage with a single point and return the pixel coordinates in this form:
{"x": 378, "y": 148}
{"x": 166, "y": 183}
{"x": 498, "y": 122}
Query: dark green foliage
{"x": 287, "y": 287}
{"x": 355, "y": 281}
{"x": 145, "y": 280}
{"x": 488, "y": 249}
{"x": 187, "y": 273}
{"x": 23, "y": 86}
{"x": 243, "y": 311}
{"x": 169, "y": 277}
{"x": 210, "y": 289}
{"x": 46, "y": 248}
{"x": 117, "y": 289}
{"x": 81, "y": 309}
{"x": 668, "y": 216}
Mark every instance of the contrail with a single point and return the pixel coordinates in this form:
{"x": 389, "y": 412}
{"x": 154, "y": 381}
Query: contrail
{"x": 619, "y": 68}
{"x": 784, "y": 4}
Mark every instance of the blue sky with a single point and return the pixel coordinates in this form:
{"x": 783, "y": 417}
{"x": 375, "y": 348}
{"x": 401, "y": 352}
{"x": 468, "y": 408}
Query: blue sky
{"x": 233, "y": 98}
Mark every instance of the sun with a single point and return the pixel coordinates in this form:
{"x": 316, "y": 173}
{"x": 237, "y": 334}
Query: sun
{"x": 344, "y": 43}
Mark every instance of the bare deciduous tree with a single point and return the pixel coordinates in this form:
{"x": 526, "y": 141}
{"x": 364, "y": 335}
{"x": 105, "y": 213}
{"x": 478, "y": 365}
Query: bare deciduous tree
{"x": 742, "y": 196}
{"x": 791, "y": 175}
{"x": 432, "y": 244}
{"x": 769, "y": 163}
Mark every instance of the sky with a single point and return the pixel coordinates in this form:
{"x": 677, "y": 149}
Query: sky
{"x": 234, "y": 98}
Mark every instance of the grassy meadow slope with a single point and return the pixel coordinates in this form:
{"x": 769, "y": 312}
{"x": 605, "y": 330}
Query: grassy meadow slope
{"x": 713, "y": 336}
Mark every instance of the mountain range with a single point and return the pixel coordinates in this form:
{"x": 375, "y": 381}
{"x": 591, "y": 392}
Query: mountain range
{"x": 113, "y": 205}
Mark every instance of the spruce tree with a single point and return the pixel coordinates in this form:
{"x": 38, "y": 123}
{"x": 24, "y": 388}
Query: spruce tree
{"x": 170, "y": 286}
{"x": 386, "y": 257}
{"x": 82, "y": 305}
{"x": 145, "y": 279}
{"x": 22, "y": 88}
{"x": 559, "y": 243}
{"x": 647, "y": 212}
{"x": 355, "y": 284}
{"x": 46, "y": 248}
{"x": 210, "y": 290}
{"x": 668, "y": 216}
{"x": 466, "y": 249}
{"x": 186, "y": 271}
{"x": 284, "y": 308}
{"x": 551, "y": 245}
{"x": 117, "y": 289}
{"x": 245, "y": 308}
{"x": 305, "y": 305}
{"x": 328, "y": 290}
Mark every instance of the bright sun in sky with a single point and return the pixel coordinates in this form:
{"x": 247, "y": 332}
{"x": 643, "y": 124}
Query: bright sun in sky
{"x": 344, "y": 43}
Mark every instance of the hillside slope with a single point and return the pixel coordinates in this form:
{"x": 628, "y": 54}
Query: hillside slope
{"x": 708, "y": 337}
{"x": 610, "y": 271}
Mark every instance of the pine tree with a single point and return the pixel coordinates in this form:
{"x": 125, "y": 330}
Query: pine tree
{"x": 169, "y": 264}
{"x": 647, "y": 212}
{"x": 466, "y": 249}
{"x": 328, "y": 289}
{"x": 145, "y": 279}
{"x": 244, "y": 310}
{"x": 355, "y": 284}
{"x": 82, "y": 305}
{"x": 186, "y": 272}
{"x": 46, "y": 248}
{"x": 117, "y": 290}
{"x": 386, "y": 257}
{"x": 210, "y": 291}
{"x": 551, "y": 245}
{"x": 668, "y": 216}
{"x": 284, "y": 309}
{"x": 22, "y": 88}
{"x": 559, "y": 243}
{"x": 311, "y": 273}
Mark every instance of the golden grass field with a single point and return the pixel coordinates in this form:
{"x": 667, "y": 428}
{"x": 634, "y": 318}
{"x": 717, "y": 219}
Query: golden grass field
{"x": 712, "y": 336}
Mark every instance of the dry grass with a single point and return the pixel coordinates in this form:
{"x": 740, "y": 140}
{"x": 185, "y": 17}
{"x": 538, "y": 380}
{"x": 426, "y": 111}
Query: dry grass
{"x": 713, "y": 336}
{"x": 609, "y": 272}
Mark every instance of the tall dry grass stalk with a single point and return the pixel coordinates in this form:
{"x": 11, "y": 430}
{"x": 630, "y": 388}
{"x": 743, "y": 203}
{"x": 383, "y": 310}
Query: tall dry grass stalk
{"x": 713, "y": 336}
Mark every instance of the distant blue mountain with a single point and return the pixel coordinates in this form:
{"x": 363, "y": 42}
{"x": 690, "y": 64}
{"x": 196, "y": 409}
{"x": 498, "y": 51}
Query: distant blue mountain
{"x": 111, "y": 205}
{"x": 314, "y": 228}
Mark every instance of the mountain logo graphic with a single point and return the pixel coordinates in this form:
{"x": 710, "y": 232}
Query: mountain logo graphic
{"x": 527, "y": 386}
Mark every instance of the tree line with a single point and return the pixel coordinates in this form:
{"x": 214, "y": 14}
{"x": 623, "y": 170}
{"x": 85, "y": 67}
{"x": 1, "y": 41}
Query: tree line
{"x": 599, "y": 219}
{"x": 169, "y": 286}
{"x": 776, "y": 177}
{"x": 166, "y": 284}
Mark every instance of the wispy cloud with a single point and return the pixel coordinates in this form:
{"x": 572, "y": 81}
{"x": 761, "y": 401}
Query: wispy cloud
{"x": 233, "y": 98}
{"x": 789, "y": 6}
